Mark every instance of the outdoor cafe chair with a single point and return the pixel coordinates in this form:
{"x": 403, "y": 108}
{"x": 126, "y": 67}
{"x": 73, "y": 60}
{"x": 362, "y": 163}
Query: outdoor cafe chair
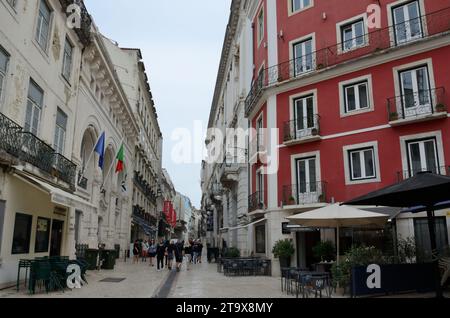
{"x": 314, "y": 283}
{"x": 26, "y": 264}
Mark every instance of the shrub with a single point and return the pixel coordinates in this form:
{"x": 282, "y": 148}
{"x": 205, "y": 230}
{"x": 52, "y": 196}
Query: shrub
{"x": 283, "y": 248}
{"x": 233, "y": 252}
{"x": 324, "y": 251}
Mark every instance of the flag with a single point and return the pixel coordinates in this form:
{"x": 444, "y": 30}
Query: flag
{"x": 120, "y": 160}
{"x": 100, "y": 150}
{"x": 167, "y": 210}
{"x": 173, "y": 216}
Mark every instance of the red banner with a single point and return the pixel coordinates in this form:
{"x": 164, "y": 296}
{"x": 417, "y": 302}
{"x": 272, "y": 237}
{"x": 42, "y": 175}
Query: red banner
{"x": 167, "y": 210}
{"x": 173, "y": 216}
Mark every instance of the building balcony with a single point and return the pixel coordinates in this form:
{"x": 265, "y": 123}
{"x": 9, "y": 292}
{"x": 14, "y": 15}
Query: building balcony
{"x": 406, "y": 174}
{"x": 84, "y": 32}
{"x": 376, "y": 42}
{"x": 422, "y": 106}
{"x": 302, "y": 130}
{"x": 305, "y": 194}
{"x": 26, "y": 147}
{"x": 256, "y": 202}
{"x": 144, "y": 187}
{"x": 229, "y": 173}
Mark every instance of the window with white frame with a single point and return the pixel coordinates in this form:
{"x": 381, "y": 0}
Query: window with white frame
{"x": 297, "y": 5}
{"x": 34, "y": 108}
{"x": 303, "y": 56}
{"x": 353, "y": 35}
{"x": 415, "y": 89}
{"x": 362, "y": 164}
{"x": 260, "y": 26}
{"x": 4, "y": 60}
{"x": 260, "y": 186}
{"x": 305, "y": 116}
{"x": 67, "y": 60}
{"x": 407, "y": 22}
{"x": 422, "y": 156}
{"x": 356, "y": 96}
{"x": 60, "y": 131}
{"x": 43, "y": 25}
{"x": 260, "y": 134}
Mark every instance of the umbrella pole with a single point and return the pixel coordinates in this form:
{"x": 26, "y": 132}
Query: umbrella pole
{"x": 434, "y": 252}
{"x": 338, "y": 247}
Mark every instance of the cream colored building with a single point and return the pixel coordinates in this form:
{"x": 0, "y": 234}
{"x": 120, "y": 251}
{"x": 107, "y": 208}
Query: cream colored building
{"x": 146, "y": 192}
{"x": 58, "y": 93}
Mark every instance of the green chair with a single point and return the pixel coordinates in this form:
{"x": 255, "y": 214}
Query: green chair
{"x": 40, "y": 275}
{"x": 26, "y": 264}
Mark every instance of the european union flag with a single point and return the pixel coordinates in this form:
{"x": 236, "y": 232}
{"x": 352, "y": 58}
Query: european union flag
{"x": 100, "y": 150}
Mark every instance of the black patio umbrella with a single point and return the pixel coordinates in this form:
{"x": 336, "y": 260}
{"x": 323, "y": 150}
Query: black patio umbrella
{"x": 424, "y": 189}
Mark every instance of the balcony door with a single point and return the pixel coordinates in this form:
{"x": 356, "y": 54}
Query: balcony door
{"x": 304, "y": 116}
{"x": 303, "y": 57}
{"x": 260, "y": 188}
{"x": 415, "y": 88}
{"x": 423, "y": 156}
{"x": 408, "y": 23}
{"x": 307, "y": 189}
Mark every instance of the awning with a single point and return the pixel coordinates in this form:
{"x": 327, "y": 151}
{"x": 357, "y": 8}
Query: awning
{"x": 57, "y": 196}
{"x": 143, "y": 224}
{"x": 244, "y": 226}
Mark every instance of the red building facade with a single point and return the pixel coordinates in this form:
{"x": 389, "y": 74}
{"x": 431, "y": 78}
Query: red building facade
{"x": 358, "y": 106}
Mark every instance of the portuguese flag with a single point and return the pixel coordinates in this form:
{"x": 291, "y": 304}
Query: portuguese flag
{"x": 120, "y": 160}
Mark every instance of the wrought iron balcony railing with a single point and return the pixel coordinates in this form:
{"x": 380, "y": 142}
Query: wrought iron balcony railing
{"x": 145, "y": 188}
{"x": 413, "y": 105}
{"x": 305, "y": 193}
{"x": 406, "y": 174}
{"x": 302, "y": 128}
{"x": 256, "y": 201}
{"x": 373, "y": 42}
{"x": 27, "y": 147}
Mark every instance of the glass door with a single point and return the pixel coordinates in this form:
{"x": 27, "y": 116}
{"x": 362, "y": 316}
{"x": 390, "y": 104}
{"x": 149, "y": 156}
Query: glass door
{"x": 303, "y": 57}
{"x": 408, "y": 24}
{"x": 416, "y": 97}
{"x": 304, "y": 117}
{"x": 307, "y": 190}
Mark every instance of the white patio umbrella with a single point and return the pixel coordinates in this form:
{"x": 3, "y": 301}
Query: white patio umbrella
{"x": 337, "y": 216}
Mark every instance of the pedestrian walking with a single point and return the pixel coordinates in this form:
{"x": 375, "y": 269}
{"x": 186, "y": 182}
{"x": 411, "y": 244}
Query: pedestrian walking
{"x": 152, "y": 252}
{"x": 188, "y": 254}
{"x": 136, "y": 251}
{"x": 160, "y": 253}
{"x": 170, "y": 254}
{"x": 166, "y": 255}
{"x": 178, "y": 251}
{"x": 144, "y": 250}
{"x": 199, "y": 251}
{"x": 195, "y": 253}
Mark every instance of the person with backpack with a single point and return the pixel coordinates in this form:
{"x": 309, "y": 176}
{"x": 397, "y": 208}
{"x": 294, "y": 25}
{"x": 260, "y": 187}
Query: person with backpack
{"x": 152, "y": 252}
{"x": 178, "y": 251}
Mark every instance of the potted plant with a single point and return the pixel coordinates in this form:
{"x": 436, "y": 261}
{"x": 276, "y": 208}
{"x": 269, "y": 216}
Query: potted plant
{"x": 233, "y": 252}
{"x": 292, "y": 200}
{"x": 324, "y": 251}
{"x": 393, "y": 116}
{"x": 440, "y": 108}
{"x": 283, "y": 250}
{"x": 322, "y": 198}
{"x": 320, "y": 66}
{"x": 315, "y": 132}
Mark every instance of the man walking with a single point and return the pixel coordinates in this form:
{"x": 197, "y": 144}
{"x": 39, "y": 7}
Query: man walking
{"x": 160, "y": 252}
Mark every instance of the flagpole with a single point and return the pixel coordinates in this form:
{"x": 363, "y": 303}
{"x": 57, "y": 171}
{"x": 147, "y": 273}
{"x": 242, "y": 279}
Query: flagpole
{"x": 112, "y": 164}
{"x": 90, "y": 157}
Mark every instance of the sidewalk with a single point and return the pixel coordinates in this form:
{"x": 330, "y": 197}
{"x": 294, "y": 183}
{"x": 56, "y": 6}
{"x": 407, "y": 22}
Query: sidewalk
{"x": 141, "y": 281}
{"x": 203, "y": 281}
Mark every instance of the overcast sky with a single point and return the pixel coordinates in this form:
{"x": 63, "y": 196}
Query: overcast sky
{"x": 181, "y": 43}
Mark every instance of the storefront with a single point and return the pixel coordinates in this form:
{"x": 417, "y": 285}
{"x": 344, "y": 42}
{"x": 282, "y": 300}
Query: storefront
{"x": 38, "y": 220}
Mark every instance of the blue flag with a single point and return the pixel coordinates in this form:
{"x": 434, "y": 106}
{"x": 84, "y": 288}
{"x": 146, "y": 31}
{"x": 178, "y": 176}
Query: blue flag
{"x": 100, "y": 150}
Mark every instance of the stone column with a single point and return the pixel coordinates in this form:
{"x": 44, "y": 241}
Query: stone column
{"x": 69, "y": 242}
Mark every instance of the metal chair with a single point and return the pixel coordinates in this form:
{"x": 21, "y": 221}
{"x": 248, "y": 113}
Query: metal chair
{"x": 26, "y": 264}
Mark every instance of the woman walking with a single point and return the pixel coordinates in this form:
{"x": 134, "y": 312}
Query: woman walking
{"x": 136, "y": 251}
{"x": 170, "y": 251}
{"x": 179, "y": 249}
{"x": 144, "y": 250}
{"x": 160, "y": 253}
{"x": 152, "y": 252}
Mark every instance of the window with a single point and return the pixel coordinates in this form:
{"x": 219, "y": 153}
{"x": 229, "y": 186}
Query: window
{"x": 67, "y": 60}
{"x": 260, "y": 239}
{"x": 60, "y": 131}
{"x": 356, "y": 96}
{"x": 261, "y": 26}
{"x": 408, "y": 22}
{"x": 260, "y": 134}
{"x": 362, "y": 164}
{"x": 43, "y": 25}
{"x": 34, "y": 108}
{"x": 422, "y": 156}
{"x": 260, "y": 187}
{"x": 304, "y": 116}
{"x": 353, "y": 35}
{"x": 303, "y": 56}
{"x": 306, "y": 177}
{"x": 4, "y": 60}
{"x": 42, "y": 235}
{"x": 415, "y": 90}
{"x": 22, "y": 234}
{"x": 298, "y": 5}
{"x": 422, "y": 236}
